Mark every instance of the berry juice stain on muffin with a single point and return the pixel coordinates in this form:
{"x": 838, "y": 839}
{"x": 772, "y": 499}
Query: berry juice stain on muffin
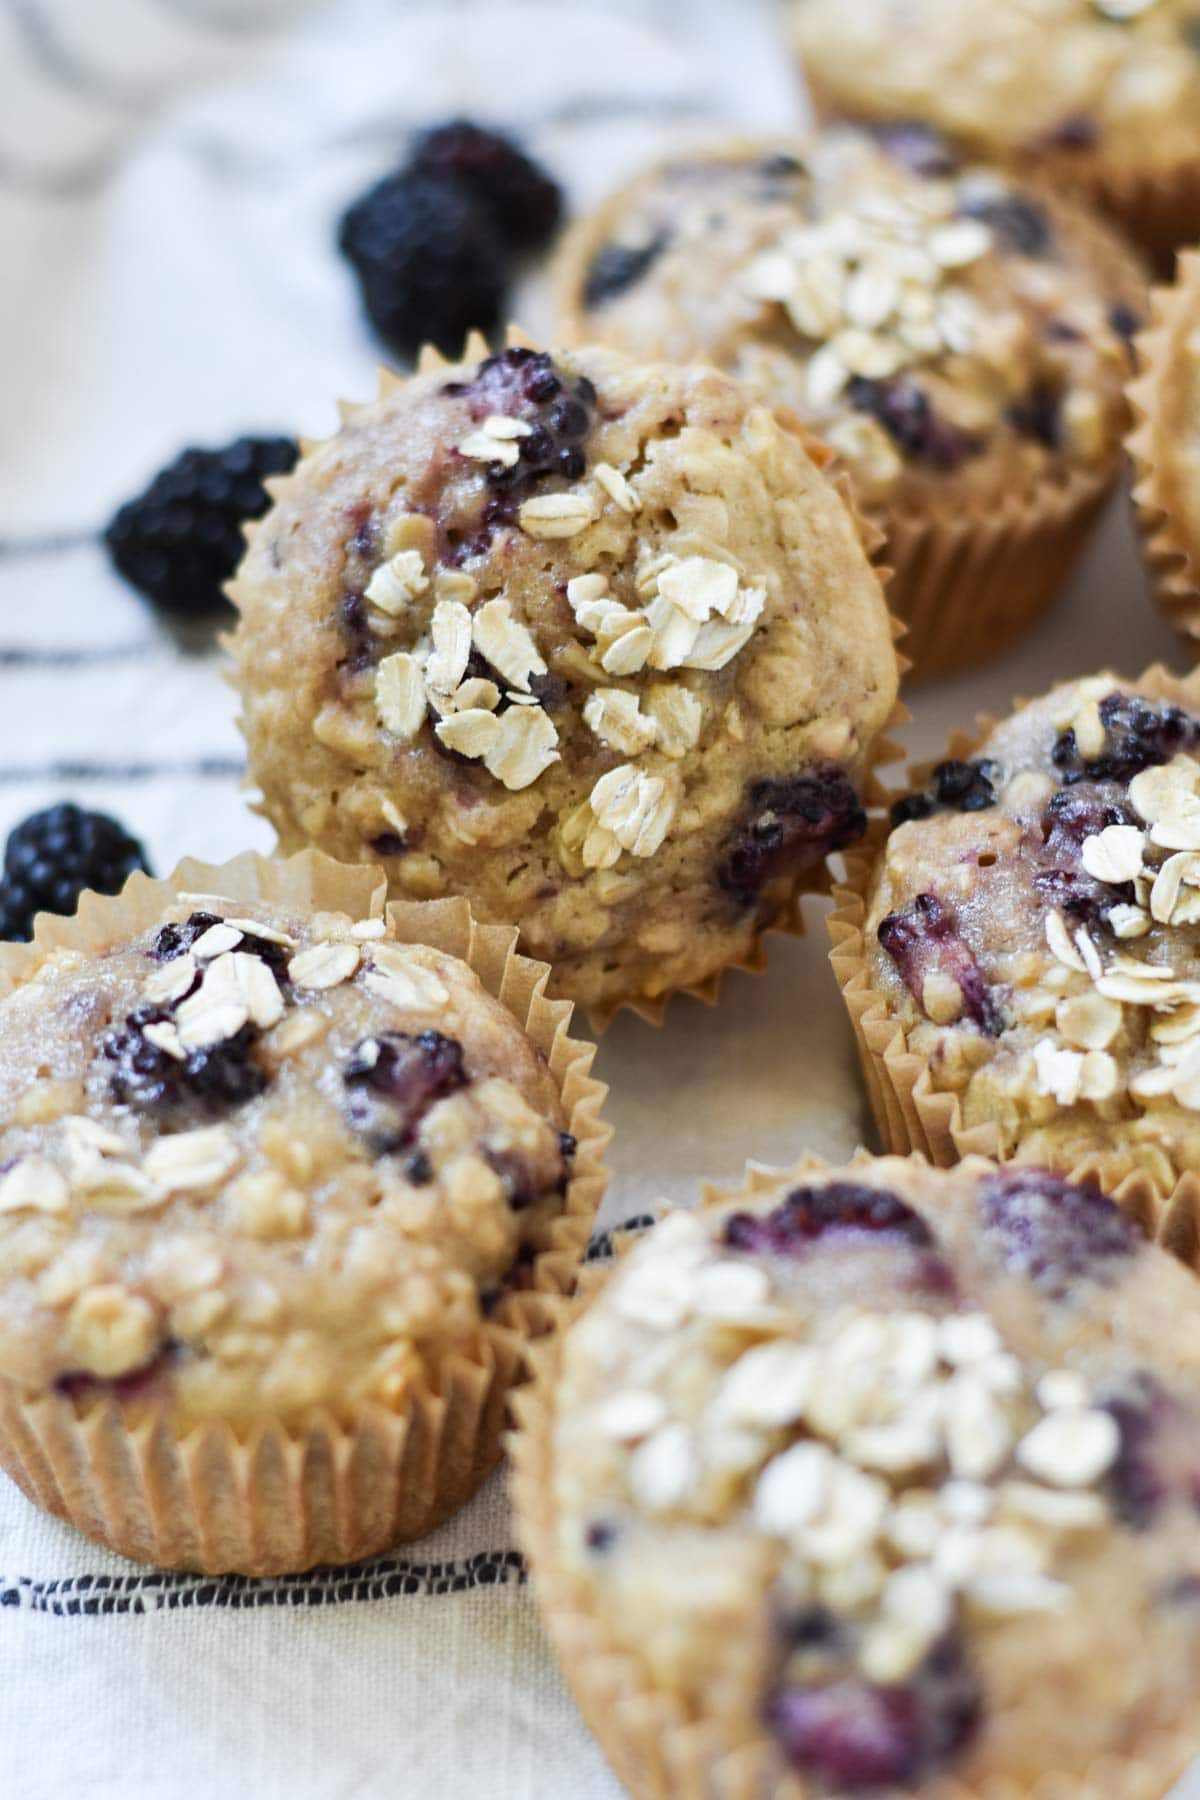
{"x": 255, "y": 1162}
{"x": 874, "y": 1534}
{"x": 591, "y": 642}
{"x": 1032, "y": 923}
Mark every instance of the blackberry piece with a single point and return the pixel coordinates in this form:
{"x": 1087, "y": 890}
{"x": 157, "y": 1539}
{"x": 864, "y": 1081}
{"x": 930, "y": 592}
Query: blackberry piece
{"x": 856, "y": 1735}
{"x": 917, "y": 148}
{"x": 617, "y": 267}
{"x": 525, "y": 204}
{"x": 794, "y": 825}
{"x": 393, "y": 1079}
{"x": 808, "y": 1214}
{"x": 1038, "y": 416}
{"x": 921, "y": 940}
{"x": 208, "y": 1082}
{"x": 957, "y": 786}
{"x": 181, "y": 540}
{"x": 907, "y": 415}
{"x": 430, "y": 263}
{"x": 1141, "y": 735}
{"x": 528, "y": 385}
{"x": 1054, "y": 1232}
{"x": 53, "y": 856}
{"x": 176, "y": 940}
{"x": 1018, "y": 223}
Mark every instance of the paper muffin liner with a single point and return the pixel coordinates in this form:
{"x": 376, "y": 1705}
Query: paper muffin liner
{"x": 277, "y": 1498}
{"x": 788, "y": 920}
{"x": 910, "y": 1113}
{"x": 1172, "y": 553}
{"x": 657, "y": 1749}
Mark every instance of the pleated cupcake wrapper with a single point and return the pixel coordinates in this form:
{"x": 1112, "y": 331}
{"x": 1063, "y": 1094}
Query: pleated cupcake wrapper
{"x": 910, "y": 1113}
{"x": 1172, "y": 554}
{"x": 276, "y": 1497}
{"x": 656, "y": 1749}
{"x": 788, "y": 921}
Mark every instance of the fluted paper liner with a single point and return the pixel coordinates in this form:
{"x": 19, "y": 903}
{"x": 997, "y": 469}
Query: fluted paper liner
{"x": 788, "y": 921}
{"x": 656, "y": 1748}
{"x": 910, "y": 1113}
{"x": 274, "y": 1498}
{"x": 1171, "y": 550}
{"x": 968, "y": 579}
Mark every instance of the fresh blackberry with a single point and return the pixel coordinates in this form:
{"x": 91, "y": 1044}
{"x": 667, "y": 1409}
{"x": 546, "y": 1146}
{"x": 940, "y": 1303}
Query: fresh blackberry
{"x": 431, "y": 263}
{"x": 181, "y": 540}
{"x": 52, "y": 856}
{"x": 525, "y": 204}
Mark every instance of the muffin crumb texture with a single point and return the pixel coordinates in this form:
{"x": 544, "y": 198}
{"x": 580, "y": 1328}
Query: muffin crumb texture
{"x": 891, "y": 1474}
{"x": 593, "y": 643}
{"x": 255, "y": 1164}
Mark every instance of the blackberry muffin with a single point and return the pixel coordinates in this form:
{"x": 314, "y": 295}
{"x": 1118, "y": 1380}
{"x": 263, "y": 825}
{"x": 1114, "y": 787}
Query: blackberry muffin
{"x": 1165, "y": 446}
{"x": 284, "y": 1189}
{"x": 1021, "y": 961}
{"x": 1102, "y": 95}
{"x": 877, "y": 1480}
{"x": 959, "y": 337}
{"x": 592, "y": 642}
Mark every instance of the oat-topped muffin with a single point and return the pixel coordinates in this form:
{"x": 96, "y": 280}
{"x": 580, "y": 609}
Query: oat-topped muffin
{"x": 959, "y": 338}
{"x": 1104, "y": 94}
{"x": 866, "y": 1480}
{"x": 593, "y": 642}
{"x": 1166, "y": 445}
{"x": 1029, "y": 934}
{"x": 262, "y": 1165}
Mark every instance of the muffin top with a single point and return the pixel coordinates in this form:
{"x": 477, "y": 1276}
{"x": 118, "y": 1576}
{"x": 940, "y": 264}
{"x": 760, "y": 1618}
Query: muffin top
{"x": 256, "y": 1163}
{"x": 1033, "y": 922}
{"x": 1110, "y": 84}
{"x": 894, "y": 1472}
{"x": 593, "y": 642}
{"x": 1168, "y": 442}
{"x": 951, "y": 331}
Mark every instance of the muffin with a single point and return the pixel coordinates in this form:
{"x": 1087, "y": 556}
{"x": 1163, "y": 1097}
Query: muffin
{"x": 1020, "y": 961}
{"x": 958, "y": 336}
{"x": 1103, "y": 95}
{"x": 287, "y": 1183}
{"x": 592, "y": 642}
{"x": 880, "y": 1479}
{"x": 1165, "y": 446}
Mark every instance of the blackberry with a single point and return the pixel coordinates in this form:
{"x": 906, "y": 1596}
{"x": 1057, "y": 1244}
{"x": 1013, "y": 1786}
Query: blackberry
{"x": 430, "y": 262}
{"x": 922, "y": 940}
{"x": 1019, "y": 224}
{"x": 53, "y": 856}
{"x": 959, "y": 786}
{"x": 1054, "y": 1232}
{"x": 207, "y": 1082}
{"x": 917, "y": 148}
{"x": 393, "y": 1079}
{"x": 794, "y": 825}
{"x": 528, "y": 385}
{"x": 855, "y": 1735}
{"x": 1038, "y": 416}
{"x": 181, "y": 540}
{"x": 525, "y": 204}
{"x": 1140, "y": 736}
{"x": 617, "y": 267}
{"x": 907, "y": 415}
{"x": 844, "y": 1207}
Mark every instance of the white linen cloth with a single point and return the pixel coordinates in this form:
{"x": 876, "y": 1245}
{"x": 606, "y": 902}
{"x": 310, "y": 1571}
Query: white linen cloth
{"x": 170, "y": 174}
